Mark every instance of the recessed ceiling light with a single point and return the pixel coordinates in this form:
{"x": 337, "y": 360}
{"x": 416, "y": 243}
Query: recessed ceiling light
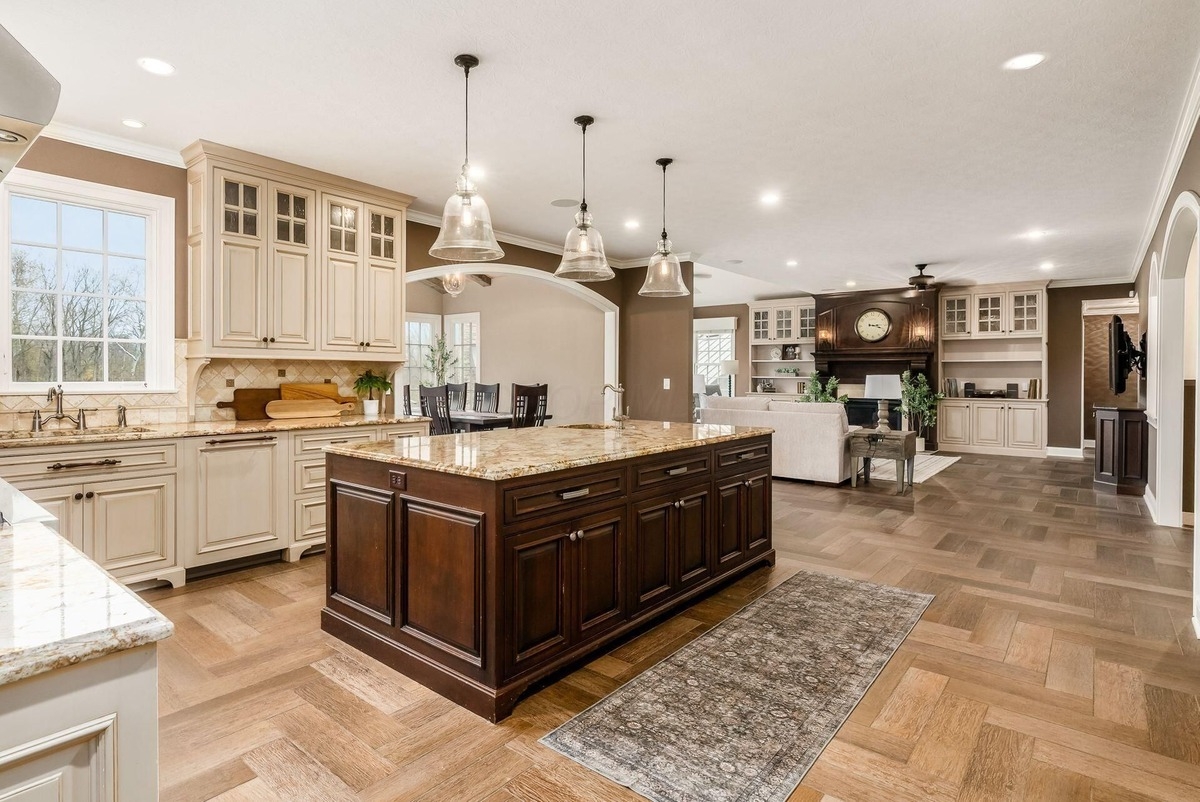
{"x": 156, "y": 66}
{"x": 851, "y": 283}
{"x": 701, "y": 275}
{"x": 1046, "y": 265}
{"x": 770, "y": 198}
{"x": 1025, "y": 61}
{"x": 564, "y": 203}
{"x": 733, "y": 261}
{"x": 1035, "y": 234}
{"x": 792, "y": 263}
{"x": 632, "y": 224}
{"x": 133, "y": 123}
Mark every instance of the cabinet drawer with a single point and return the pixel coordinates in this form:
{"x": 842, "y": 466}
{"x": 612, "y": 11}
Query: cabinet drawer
{"x": 308, "y": 519}
{"x": 402, "y": 431}
{"x": 743, "y": 454}
{"x": 688, "y": 466}
{"x": 308, "y": 476}
{"x": 315, "y": 442}
{"x": 76, "y": 461}
{"x": 550, "y": 498}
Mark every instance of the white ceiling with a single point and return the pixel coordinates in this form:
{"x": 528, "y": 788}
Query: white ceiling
{"x": 887, "y": 127}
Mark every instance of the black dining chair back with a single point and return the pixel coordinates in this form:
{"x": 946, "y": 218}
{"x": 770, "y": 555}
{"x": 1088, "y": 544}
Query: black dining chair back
{"x": 528, "y": 405}
{"x": 487, "y": 397}
{"x": 458, "y": 395}
{"x": 435, "y": 405}
{"x": 407, "y": 401}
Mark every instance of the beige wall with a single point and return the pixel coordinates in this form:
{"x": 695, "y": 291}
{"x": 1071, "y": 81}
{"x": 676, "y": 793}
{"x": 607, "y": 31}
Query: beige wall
{"x": 533, "y": 332}
{"x": 420, "y": 297}
{"x": 741, "y": 339}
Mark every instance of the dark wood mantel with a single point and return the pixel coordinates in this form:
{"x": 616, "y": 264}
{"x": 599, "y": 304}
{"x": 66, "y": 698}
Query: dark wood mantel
{"x": 910, "y": 344}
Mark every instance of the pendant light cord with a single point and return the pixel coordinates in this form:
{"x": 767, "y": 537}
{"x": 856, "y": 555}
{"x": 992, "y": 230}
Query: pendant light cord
{"x": 664, "y": 202}
{"x": 466, "y": 115}
{"x": 583, "y": 197}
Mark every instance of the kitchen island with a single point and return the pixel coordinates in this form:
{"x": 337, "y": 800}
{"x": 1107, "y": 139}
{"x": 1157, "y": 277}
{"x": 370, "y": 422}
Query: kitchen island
{"x": 478, "y": 564}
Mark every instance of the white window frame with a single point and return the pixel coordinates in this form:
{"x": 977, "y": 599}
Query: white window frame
{"x": 159, "y": 212}
{"x": 713, "y": 325}
{"x": 419, "y": 368}
{"x": 465, "y": 317}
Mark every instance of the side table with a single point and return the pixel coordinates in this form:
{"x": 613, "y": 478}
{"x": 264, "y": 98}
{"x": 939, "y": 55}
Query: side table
{"x": 868, "y": 444}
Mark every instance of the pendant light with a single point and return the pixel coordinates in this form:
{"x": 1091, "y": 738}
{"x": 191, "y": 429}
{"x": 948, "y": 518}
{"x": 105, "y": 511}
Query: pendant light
{"x": 453, "y": 284}
{"x": 583, "y": 254}
{"x": 466, "y": 234}
{"x": 664, "y": 276}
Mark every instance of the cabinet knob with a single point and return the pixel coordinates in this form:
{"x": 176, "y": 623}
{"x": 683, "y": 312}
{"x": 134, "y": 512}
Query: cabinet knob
{"x": 89, "y": 495}
{"x": 747, "y": 483}
{"x": 361, "y": 344}
{"x": 574, "y": 536}
{"x": 678, "y": 504}
{"x": 79, "y": 496}
{"x": 264, "y": 339}
{"x": 368, "y": 343}
{"x": 272, "y": 339}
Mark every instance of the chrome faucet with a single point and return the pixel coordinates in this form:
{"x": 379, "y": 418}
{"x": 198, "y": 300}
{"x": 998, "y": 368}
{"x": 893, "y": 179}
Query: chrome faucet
{"x": 121, "y": 418}
{"x": 619, "y": 392}
{"x": 56, "y": 394}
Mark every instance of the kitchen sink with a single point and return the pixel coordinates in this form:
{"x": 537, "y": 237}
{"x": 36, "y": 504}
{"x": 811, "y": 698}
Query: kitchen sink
{"x": 56, "y": 434}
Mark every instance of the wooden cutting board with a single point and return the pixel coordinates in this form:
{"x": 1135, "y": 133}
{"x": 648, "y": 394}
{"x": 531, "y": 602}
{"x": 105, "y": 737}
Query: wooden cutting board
{"x": 250, "y": 403}
{"x": 324, "y": 408}
{"x": 313, "y": 392}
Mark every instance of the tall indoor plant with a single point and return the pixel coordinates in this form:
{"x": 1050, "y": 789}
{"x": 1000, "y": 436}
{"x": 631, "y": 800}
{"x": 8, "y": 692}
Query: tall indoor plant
{"x": 439, "y": 359}
{"x": 919, "y": 404}
{"x": 366, "y": 384}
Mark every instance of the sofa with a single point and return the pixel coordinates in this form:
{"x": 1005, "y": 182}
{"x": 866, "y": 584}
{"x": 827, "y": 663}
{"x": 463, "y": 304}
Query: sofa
{"x": 811, "y": 442}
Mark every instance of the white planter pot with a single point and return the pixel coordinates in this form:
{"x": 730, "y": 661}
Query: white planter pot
{"x": 920, "y": 444}
{"x": 370, "y": 408}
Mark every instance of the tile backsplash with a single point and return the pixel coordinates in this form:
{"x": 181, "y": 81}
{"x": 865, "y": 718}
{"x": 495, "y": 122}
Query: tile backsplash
{"x": 212, "y": 386}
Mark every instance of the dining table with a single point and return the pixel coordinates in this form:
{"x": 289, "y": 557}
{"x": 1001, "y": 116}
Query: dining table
{"x": 467, "y": 420}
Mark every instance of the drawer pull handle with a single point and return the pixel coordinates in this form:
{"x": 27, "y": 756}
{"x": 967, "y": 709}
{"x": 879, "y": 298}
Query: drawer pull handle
{"x": 677, "y": 471}
{"x": 100, "y": 463}
{"x": 241, "y": 440}
{"x": 567, "y": 495}
{"x": 337, "y": 442}
{"x": 746, "y": 455}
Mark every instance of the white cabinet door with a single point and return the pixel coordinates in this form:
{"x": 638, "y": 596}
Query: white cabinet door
{"x": 806, "y": 322}
{"x": 1024, "y": 426}
{"x": 954, "y": 423}
{"x": 132, "y": 523}
{"x": 344, "y": 267}
{"x": 760, "y": 326}
{"x": 990, "y": 319}
{"x": 292, "y": 274}
{"x": 956, "y": 317}
{"x": 1026, "y": 313}
{"x": 385, "y": 308}
{"x": 66, "y": 505}
{"x": 988, "y": 423}
{"x": 784, "y": 323}
{"x": 238, "y": 498}
{"x": 240, "y": 296}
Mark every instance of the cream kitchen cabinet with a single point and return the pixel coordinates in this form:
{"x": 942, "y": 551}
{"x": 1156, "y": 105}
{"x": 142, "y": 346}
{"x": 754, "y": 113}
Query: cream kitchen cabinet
{"x": 954, "y": 423}
{"x": 988, "y": 421}
{"x": 787, "y": 321}
{"x": 956, "y": 317}
{"x": 992, "y": 426}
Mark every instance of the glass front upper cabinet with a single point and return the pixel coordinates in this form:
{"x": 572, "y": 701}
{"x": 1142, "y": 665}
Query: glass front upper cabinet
{"x": 1026, "y": 313}
{"x": 989, "y": 315}
{"x": 955, "y": 317}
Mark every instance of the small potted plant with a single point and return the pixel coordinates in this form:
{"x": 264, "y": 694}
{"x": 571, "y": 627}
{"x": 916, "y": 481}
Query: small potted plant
{"x": 919, "y": 404}
{"x": 814, "y": 393}
{"x": 366, "y": 384}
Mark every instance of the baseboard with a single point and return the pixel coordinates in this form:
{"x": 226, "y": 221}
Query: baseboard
{"x": 1032, "y": 453}
{"x": 1069, "y": 453}
{"x": 1151, "y": 504}
{"x": 1189, "y": 519}
{"x": 1089, "y": 443}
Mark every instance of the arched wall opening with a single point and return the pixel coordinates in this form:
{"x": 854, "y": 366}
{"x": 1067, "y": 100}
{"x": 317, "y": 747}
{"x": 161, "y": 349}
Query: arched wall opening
{"x": 609, "y": 311}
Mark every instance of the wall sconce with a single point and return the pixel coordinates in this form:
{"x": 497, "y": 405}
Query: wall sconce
{"x": 824, "y": 338}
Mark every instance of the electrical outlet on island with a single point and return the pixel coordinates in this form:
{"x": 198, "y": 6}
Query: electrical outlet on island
{"x": 667, "y": 383}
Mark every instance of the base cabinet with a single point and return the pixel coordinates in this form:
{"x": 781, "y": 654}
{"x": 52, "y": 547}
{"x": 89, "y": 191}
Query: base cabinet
{"x": 992, "y": 426}
{"x": 743, "y": 518}
{"x": 671, "y": 545}
{"x": 238, "y": 498}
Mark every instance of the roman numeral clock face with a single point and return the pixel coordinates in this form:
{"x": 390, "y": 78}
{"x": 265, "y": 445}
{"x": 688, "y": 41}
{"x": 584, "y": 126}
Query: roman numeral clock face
{"x": 873, "y": 325}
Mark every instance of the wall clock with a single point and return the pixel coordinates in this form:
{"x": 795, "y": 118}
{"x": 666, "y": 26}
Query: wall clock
{"x": 873, "y": 325}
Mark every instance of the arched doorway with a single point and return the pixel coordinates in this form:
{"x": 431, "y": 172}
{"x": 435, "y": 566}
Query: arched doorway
{"x": 1164, "y": 402}
{"x": 610, "y": 310}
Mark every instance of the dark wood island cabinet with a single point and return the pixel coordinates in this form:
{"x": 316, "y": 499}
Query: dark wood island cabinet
{"x": 478, "y": 564}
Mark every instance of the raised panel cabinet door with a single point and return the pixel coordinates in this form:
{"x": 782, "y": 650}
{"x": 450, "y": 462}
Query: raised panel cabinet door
{"x": 293, "y": 299}
{"x": 651, "y": 544}
{"x": 730, "y": 524}
{"x": 1024, "y": 426}
{"x": 695, "y": 536}
{"x": 66, "y": 505}
{"x": 132, "y": 523}
{"x": 758, "y": 512}
{"x": 599, "y": 584}
{"x": 954, "y": 423}
{"x": 362, "y": 534}
{"x": 385, "y": 307}
{"x": 242, "y": 295}
{"x": 536, "y": 571}
{"x": 987, "y": 424}
{"x": 238, "y": 497}
{"x": 343, "y": 323}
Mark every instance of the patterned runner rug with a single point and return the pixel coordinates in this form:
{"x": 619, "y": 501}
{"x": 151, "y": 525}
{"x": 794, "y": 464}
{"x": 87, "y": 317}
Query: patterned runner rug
{"x": 742, "y": 712}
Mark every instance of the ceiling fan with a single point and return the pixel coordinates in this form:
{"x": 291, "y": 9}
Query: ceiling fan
{"x": 921, "y": 282}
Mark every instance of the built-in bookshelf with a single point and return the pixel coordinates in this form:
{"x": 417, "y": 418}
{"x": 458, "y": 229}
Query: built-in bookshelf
{"x": 782, "y": 341}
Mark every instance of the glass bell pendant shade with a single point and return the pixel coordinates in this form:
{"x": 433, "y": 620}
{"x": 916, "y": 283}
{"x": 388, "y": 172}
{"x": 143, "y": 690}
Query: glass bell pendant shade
{"x": 664, "y": 276}
{"x": 453, "y": 284}
{"x": 466, "y": 234}
{"x": 583, "y": 254}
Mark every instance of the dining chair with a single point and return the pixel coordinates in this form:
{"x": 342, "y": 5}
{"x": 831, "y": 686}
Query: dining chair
{"x": 458, "y": 395}
{"x": 435, "y": 405}
{"x": 487, "y": 397}
{"x": 528, "y": 405}
{"x": 407, "y": 400}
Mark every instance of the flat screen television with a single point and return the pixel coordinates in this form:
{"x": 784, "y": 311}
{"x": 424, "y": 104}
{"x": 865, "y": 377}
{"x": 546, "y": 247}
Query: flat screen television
{"x": 1123, "y": 358}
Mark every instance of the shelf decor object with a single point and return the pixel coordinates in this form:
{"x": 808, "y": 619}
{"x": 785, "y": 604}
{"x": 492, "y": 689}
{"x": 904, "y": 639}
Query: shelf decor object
{"x": 583, "y": 254}
{"x": 466, "y": 234}
{"x": 664, "y": 276}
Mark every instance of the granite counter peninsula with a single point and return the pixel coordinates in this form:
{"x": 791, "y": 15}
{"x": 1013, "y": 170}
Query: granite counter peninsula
{"x": 479, "y": 563}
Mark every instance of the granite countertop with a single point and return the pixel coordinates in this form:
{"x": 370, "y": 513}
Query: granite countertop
{"x": 509, "y": 453}
{"x": 111, "y": 434}
{"x": 57, "y": 607}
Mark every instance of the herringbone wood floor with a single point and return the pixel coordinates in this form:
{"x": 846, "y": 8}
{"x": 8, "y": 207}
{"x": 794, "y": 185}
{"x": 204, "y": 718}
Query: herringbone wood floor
{"x": 1056, "y": 663}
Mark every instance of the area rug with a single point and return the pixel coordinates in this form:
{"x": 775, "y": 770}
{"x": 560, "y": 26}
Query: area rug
{"x": 924, "y": 469}
{"x": 742, "y": 712}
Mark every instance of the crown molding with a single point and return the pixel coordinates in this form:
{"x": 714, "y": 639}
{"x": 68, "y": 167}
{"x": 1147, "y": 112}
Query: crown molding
{"x": 1088, "y": 282}
{"x": 1185, "y": 128}
{"x": 112, "y": 144}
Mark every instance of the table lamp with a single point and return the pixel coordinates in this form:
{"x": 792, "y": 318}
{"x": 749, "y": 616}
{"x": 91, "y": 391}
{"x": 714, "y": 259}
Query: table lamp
{"x": 730, "y": 368}
{"x": 885, "y": 387}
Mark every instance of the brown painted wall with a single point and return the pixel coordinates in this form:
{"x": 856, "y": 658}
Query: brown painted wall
{"x": 1095, "y": 368}
{"x": 1065, "y": 358}
{"x": 88, "y": 164}
{"x": 741, "y": 339}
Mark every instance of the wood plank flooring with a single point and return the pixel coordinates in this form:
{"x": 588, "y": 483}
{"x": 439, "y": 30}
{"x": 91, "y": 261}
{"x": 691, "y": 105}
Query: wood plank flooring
{"x": 1057, "y": 663}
